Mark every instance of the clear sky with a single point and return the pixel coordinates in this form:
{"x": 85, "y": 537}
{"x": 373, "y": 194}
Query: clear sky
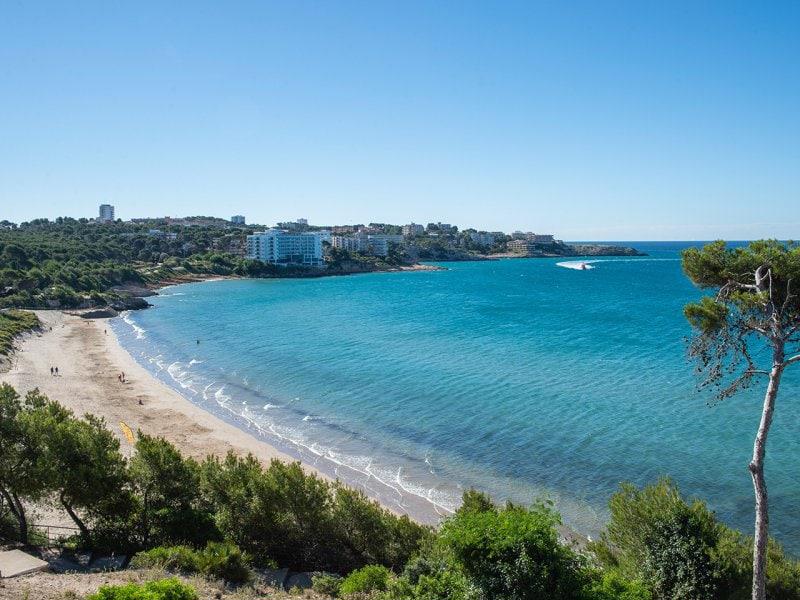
{"x": 590, "y": 120}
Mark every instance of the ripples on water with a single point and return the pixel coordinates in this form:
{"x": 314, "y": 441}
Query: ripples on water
{"x": 517, "y": 377}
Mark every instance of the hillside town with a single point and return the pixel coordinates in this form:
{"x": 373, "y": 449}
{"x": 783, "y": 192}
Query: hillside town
{"x": 302, "y": 244}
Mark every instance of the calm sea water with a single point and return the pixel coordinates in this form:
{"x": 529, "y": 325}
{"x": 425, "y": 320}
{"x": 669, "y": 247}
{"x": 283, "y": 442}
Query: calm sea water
{"x": 518, "y": 377}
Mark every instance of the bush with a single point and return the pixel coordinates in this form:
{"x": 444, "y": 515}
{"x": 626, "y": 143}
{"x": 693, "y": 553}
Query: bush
{"x": 163, "y": 589}
{"x": 225, "y": 561}
{"x": 610, "y": 585}
{"x": 372, "y": 578}
{"x": 303, "y": 521}
{"x": 733, "y": 560}
{"x": 444, "y": 585}
{"x": 655, "y": 536}
{"x": 170, "y": 558}
{"x": 217, "y": 561}
{"x": 678, "y": 562}
{"x": 679, "y": 549}
{"x": 514, "y": 553}
{"x": 327, "y": 584}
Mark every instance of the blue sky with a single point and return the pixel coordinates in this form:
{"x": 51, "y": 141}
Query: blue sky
{"x": 590, "y": 120}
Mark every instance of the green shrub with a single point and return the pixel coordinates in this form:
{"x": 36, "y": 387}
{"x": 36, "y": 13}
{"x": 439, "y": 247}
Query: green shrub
{"x": 655, "y": 536}
{"x": 610, "y": 585}
{"x": 680, "y": 550}
{"x": 163, "y": 589}
{"x": 372, "y": 578}
{"x": 303, "y": 521}
{"x": 170, "y": 558}
{"x": 444, "y": 585}
{"x": 327, "y": 584}
{"x": 733, "y": 560}
{"x": 217, "y": 561}
{"x": 514, "y": 553}
{"x": 225, "y": 561}
{"x": 677, "y": 562}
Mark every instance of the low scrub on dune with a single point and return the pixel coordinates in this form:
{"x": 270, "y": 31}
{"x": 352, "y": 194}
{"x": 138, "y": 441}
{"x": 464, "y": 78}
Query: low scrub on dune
{"x": 12, "y": 324}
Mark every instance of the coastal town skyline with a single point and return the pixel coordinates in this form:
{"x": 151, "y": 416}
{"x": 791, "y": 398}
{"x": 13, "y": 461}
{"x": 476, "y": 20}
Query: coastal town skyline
{"x": 108, "y": 212}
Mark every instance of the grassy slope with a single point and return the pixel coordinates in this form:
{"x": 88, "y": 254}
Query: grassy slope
{"x": 50, "y": 586}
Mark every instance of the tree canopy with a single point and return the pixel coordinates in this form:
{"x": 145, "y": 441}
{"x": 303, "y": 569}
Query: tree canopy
{"x": 755, "y": 306}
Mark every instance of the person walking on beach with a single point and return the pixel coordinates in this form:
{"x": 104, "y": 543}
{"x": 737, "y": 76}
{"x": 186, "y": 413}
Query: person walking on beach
{"x": 51, "y": 371}
{"x": 56, "y": 371}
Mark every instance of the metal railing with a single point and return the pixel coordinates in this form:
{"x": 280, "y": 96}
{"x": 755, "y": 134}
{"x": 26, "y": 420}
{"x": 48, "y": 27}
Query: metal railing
{"x": 53, "y": 534}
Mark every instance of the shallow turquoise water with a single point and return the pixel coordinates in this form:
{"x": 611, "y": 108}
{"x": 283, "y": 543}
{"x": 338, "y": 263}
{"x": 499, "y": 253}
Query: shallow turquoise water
{"x": 519, "y": 377}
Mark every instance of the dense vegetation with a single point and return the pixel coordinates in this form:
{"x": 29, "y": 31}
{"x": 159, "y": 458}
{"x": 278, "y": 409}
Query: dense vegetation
{"x": 71, "y": 263}
{"x": 12, "y": 324}
{"x": 221, "y": 517}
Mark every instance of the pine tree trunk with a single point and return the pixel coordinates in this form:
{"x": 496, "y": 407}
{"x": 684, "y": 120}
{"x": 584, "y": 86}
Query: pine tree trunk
{"x": 16, "y": 508}
{"x": 759, "y": 484}
{"x": 76, "y": 519}
{"x": 21, "y": 518}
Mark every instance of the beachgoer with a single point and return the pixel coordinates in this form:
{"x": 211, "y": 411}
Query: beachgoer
{"x": 198, "y": 341}
{"x": 56, "y": 371}
{"x": 51, "y": 371}
{"x": 140, "y": 402}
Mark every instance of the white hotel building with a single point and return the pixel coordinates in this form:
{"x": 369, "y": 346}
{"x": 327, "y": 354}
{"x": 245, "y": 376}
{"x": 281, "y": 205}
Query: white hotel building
{"x": 377, "y": 245}
{"x": 282, "y": 248}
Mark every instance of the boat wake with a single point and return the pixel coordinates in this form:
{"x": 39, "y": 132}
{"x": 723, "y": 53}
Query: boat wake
{"x": 578, "y": 265}
{"x": 585, "y": 265}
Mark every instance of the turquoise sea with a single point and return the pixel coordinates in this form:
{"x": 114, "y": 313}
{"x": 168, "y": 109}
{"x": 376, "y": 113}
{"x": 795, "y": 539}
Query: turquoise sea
{"x": 519, "y": 377}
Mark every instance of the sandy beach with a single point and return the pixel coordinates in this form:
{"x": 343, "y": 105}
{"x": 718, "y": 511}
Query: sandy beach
{"x": 89, "y": 360}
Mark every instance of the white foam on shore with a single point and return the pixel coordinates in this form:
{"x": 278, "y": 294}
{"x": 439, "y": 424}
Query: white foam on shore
{"x": 221, "y": 397}
{"x": 181, "y": 376}
{"x": 138, "y": 330}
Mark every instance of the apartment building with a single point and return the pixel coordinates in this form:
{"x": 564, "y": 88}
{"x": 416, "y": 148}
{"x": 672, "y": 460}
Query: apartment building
{"x": 279, "y": 247}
